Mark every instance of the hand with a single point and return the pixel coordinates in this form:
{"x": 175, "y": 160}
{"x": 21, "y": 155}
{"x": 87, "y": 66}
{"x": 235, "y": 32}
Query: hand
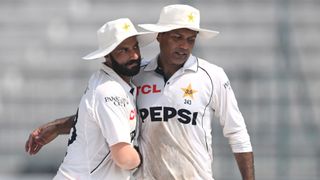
{"x": 40, "y": 137}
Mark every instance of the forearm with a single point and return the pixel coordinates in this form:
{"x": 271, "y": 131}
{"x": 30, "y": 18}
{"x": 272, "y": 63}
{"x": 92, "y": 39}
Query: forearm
{"x": 64, "y": 125}
{"x": 125, "y": 156}
{"x": 246, "y": 165}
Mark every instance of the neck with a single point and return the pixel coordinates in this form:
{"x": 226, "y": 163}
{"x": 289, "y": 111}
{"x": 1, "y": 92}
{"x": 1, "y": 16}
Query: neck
{"x": 168, "y": 69}
{"x": 125, "y": 78}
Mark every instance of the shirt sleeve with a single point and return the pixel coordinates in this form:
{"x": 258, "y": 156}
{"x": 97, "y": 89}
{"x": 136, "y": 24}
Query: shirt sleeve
{"x": 231, "y": 119}
{"x": 111, "y": 113}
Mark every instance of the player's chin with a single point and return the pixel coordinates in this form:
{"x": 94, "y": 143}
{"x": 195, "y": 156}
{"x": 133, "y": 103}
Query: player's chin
{"x": 133, "y": 71}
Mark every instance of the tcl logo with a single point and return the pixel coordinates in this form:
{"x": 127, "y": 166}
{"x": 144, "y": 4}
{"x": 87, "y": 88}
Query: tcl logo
{"x": 147, "y": 89}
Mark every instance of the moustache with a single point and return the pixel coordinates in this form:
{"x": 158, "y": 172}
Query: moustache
{"x": 138, "y": 62}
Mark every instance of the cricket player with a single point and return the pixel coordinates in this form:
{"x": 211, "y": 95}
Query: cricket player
{"x": 100, "y": 144}
{"x": 179, "y": 96}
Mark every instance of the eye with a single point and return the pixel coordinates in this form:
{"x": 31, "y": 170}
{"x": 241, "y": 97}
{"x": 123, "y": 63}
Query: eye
{"x": 136, "y": 47}
{"x": 122, "y": 50}
{"x": 176, "y": 36}
{"x": 191, "y": 40}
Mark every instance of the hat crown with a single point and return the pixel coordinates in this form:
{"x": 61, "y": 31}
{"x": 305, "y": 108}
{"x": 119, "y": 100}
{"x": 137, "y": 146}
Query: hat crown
{"x": 115, "y": 31}
{"x": 179, "y": 14}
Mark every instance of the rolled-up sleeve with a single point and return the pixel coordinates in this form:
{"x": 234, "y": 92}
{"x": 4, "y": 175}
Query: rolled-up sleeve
{"x": 227, "y": 110}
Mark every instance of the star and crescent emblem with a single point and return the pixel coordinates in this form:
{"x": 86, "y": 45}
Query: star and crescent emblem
{"x": 191, "y": 17}
{"x": 188, "y": 91}
{"x": 126, "y": 27}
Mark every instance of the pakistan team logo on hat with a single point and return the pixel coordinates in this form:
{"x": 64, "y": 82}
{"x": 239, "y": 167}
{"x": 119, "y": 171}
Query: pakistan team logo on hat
{"x": 126, "y": 27}
{"x": 191, "y": 17}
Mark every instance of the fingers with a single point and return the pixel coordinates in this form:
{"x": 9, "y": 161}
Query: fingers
{"x": 35, "y": 149}
{"x": 39, "y": 140}
{"x": 32, "y": 146}
{"x": 29, "y": 144}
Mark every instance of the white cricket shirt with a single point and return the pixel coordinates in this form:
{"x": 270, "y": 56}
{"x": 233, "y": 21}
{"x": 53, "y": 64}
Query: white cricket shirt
{"x": 176, "y": 116}
{"x": 106, "y": 116}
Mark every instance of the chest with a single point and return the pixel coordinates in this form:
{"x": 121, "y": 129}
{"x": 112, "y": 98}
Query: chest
{"x": 183, "y": 97}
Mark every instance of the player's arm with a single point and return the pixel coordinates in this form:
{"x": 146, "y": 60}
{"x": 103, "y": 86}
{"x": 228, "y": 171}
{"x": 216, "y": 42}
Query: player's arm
{"x": 234, "y": 127}
{"x": 246, "y": 165}
{"x": 125, "y": 156}
{"x": 48, "y": 132}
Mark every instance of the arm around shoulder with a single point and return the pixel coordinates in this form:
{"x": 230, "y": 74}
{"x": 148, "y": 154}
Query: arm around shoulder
{"x": 46, "y": 133}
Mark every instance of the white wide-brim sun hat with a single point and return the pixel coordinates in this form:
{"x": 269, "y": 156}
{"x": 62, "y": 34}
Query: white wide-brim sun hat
{"x": 112, "y": 33}
{"x": 179, "y": 16}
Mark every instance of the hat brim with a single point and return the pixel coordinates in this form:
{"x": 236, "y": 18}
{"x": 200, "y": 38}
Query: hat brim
{"x": 143, "y": 38}
{"x": 203, "y": 33}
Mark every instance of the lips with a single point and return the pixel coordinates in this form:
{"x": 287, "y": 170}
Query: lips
{"x": 180, "y": 54}
{"x": 133, "y": 64}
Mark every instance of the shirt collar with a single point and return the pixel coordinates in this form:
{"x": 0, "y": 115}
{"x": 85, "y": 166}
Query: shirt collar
{"x": 190, "y": 64}
{"x": 127, "y": 87}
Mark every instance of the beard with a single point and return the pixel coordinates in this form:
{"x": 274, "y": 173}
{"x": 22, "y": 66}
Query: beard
{"x": 122, "y": 69}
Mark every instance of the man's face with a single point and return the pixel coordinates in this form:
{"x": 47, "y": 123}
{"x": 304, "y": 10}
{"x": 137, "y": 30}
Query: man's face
{"x": 126, "y": 57}
{"x": 176, "y": 45}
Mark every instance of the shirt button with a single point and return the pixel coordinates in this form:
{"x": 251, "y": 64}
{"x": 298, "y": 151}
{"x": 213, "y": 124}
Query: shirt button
{"x": 168, "y": 82}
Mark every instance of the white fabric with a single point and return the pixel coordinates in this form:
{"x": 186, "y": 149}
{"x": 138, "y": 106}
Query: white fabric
{"x": 112, "y": 33}
{"x": 176, "y": 116}
{"x": 106, "y": 116}
{"x": 178, "y": 16}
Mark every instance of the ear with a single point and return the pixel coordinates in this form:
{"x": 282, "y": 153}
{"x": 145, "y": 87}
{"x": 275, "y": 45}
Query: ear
{"x": 107, "y": 58}
{"x": 159, "y": 36}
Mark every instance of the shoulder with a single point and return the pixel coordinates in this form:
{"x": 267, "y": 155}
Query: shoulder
{"x": 215, "y": 72}
{"x": 101, "y": 83}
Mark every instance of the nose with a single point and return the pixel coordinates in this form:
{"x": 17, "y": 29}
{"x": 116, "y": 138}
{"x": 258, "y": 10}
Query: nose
{"x": 184, "y": 44}
{"x": 134, "y": 54}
